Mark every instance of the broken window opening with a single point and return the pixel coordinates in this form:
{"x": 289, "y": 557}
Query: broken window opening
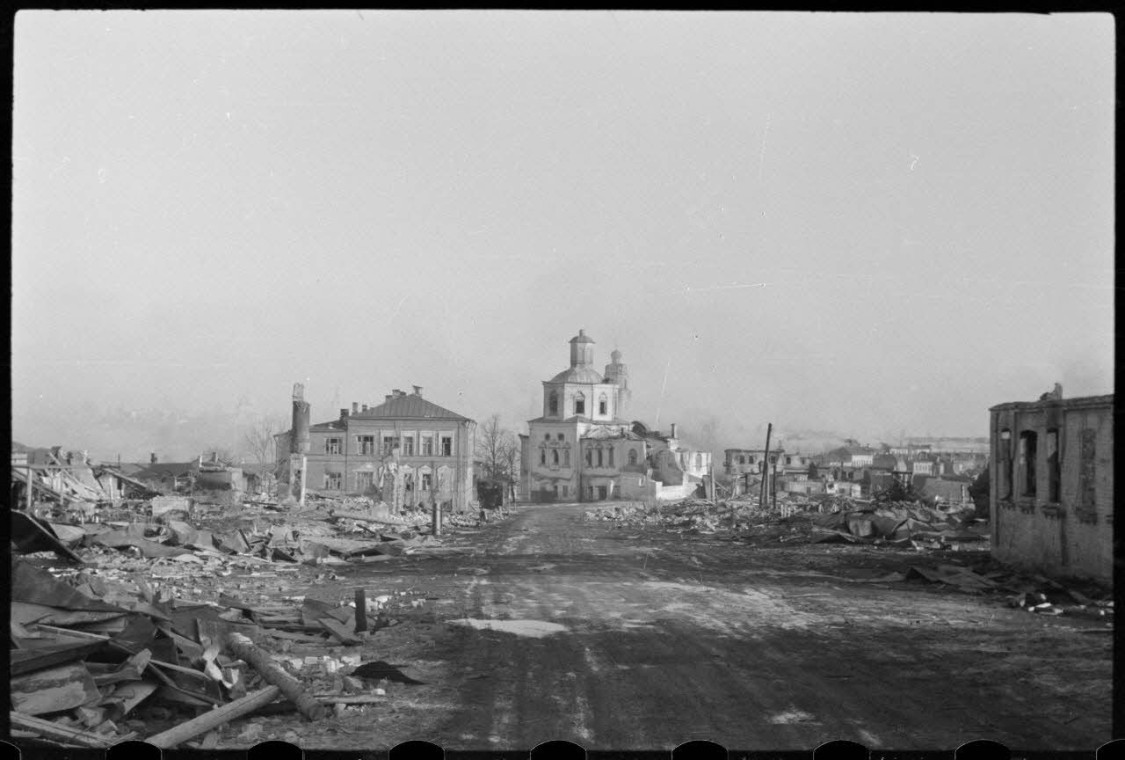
{"x": 363, "y": 480}
{"x": 1005, "y": 456}
{"x": 1028, "y": 452}
{"x": 632, "y": 456}
{"x": 1054, "y": 470}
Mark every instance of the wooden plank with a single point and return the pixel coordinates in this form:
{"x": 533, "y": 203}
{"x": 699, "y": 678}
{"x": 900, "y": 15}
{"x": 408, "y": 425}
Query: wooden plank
{"x": 212, "y": 719}
{"x": 339, "y": 631}
{"x": 58, "y": 733}
{"x": 53, "y": 690}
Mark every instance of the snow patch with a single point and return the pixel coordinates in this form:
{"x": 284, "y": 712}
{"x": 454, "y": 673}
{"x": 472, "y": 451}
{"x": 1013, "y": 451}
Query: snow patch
{"x": 533, "y": 628}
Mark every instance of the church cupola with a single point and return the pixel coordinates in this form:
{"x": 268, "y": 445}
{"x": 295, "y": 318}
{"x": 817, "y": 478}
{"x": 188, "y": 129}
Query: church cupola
{"x": 581, "y": 350}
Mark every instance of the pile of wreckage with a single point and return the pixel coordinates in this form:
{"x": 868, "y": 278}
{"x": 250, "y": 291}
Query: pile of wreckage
{"x": 815, "y": 520}
{"x": 97, "y": 660}
{"x": 167, "y": 603}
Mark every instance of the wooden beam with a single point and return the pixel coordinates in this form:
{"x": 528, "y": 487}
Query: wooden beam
{"x": 212, "y": 719}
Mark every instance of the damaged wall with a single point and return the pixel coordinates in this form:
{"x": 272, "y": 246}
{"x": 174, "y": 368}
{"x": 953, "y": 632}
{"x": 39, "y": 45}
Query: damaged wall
{"x": 1052, "y": 485}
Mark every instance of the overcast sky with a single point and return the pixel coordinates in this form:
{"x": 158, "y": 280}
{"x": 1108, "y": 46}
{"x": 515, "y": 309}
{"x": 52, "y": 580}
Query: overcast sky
{"x": 868, "y": 225}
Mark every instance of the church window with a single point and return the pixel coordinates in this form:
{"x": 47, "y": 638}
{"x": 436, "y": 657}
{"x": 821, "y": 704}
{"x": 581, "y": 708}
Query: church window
{"x": 603, "y": 405}
{"x": 561, "y": 437}
{"x": 589, "y": 457}
{"x": 698, "y": 460}
{"x": 580, "y": 404}
{"x": 554, "y": 456}
{"x": 611, "y": 456}
{"x": 542, "y": 456}
{"x": 553, "y": 403}
{"x": 566, "y": 457}
{"x": 599, "y": 457}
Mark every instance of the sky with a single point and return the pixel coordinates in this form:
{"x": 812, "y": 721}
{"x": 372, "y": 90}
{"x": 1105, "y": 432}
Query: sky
{"x": 844, "y": 224}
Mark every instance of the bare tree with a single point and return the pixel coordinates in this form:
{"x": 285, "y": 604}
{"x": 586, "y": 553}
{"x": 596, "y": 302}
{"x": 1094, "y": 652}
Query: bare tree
{"x": 259, "y": 441}
{"x": 498, "y": 450}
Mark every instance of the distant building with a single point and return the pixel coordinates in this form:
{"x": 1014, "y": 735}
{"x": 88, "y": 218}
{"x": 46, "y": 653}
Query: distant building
{"x": 407, "y": 450}
{"x": 582, "y": 448}
{"x": 1052, "y": 484}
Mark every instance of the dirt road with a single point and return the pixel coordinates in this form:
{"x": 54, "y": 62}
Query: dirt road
{"x": 619, "y": 639}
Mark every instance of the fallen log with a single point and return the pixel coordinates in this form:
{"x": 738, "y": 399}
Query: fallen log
{"x": 244, "y": 649}
{"x": 59, "y": 733}
{"x": 212, "y": 719}
{"x": 340, "y": 632}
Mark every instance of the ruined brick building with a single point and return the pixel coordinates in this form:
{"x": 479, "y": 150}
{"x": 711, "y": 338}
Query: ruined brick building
{"x": 584, "y": 448}
{"x": 1052, "y": 484}
{"x": 407, "y": 450}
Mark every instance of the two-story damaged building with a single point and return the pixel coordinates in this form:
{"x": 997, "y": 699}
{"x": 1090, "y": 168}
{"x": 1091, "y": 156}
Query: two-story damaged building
{"x": 408, "y": 451}
{"x": 583, "y": 448}
{"x": 1052, "y": 484}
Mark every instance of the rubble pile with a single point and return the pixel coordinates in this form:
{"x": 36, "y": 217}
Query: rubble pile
{"x": 100, "y": 655}
{"x": 904, "y": 524}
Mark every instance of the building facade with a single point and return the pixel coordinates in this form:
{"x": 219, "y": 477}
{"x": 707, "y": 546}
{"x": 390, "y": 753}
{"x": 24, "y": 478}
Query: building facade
{"x": 1051, "y": 486}
{"x": 583, "y": 448}
{"x": 408, "y": 451}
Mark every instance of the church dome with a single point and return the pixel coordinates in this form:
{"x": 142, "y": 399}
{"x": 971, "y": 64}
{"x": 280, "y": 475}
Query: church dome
{"x": 578, "y": 375}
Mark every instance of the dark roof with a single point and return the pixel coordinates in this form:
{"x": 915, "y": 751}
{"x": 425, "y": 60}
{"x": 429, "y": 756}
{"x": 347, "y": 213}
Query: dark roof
{"x": 161, "y": 469}
{"x": 410, "y": 406}
{"x": 581, "y": 337}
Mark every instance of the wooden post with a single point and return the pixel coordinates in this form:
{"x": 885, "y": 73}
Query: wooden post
{"x": 30, "y": 488}
{"x": 243, "y": 648}
{"x": 214, "y": 718}
{"x": 763, "y": 500}
{"x": 360, "y": 610}
{"x": 304, "y": 477}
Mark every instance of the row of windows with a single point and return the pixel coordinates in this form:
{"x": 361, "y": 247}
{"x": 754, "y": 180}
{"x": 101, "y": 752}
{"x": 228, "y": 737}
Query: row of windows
{"x": 365, "y": 445}
{"x": 579, "y": 404}
{"x": 1021, "y": 471}
{"x": 334, "y": 481}
{"x": 603, "y": 456}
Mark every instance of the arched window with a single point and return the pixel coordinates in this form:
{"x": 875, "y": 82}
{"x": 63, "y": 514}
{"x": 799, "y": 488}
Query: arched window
{"x": 542, "y": 456}
{"x": 579, "y": 403}
{"x": 698, "y": 460}
{"x": 589, "y": 457}
{"x": 566, "y": 457}
{"x": 632, "y": 456}
{"x": 553, "y": 403}
{"x": 603, "y": 405}
{"x": 599, "y": 456}
{"x": 555, "y": 456}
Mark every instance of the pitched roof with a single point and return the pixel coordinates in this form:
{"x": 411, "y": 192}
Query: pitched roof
{"x": 409, "y": 406}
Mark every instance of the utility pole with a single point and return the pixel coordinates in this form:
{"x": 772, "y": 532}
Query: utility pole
{"x": 763, "y": 500}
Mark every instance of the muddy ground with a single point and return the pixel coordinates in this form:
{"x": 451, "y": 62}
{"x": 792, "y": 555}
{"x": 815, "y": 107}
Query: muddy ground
{"x": 548, "y": 626}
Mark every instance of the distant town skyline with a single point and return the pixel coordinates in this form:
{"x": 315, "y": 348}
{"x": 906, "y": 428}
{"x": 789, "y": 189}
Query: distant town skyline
{"x": 857, "y": 224}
